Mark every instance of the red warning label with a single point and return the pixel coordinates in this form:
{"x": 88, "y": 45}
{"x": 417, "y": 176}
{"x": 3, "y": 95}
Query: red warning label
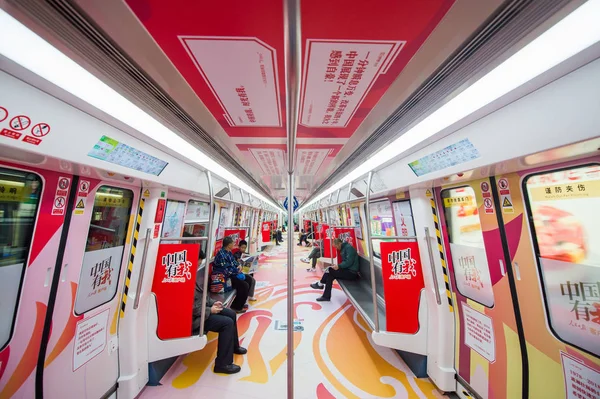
{"x": 10, "y": 134}
{"x": 40, "y": 130}
{"x": 31, "y": 140}
{"x": 3, "y": 114}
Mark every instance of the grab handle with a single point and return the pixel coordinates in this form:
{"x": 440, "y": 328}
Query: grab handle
{"x": 432, "y": 264}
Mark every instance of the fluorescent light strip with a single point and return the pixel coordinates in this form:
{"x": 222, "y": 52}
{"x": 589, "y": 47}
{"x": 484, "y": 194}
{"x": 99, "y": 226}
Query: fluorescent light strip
{"x": 49, "y": 63}
{"x": 573, "y": 34}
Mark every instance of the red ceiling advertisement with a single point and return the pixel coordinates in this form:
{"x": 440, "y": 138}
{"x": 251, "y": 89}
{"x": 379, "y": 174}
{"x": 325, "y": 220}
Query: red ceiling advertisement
{"x": 402, "y": 283}
{"x": 174, "y": 284}
{"x": 266, "y": 232}
{"x": 231, "y": 54}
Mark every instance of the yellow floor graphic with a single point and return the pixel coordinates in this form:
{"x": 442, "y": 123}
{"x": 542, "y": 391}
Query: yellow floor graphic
{"x": 334, "y": 354}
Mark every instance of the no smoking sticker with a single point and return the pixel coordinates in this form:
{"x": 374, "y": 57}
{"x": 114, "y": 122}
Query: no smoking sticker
{"x": 3, "y": 114}
{"x": 20, "y": 122}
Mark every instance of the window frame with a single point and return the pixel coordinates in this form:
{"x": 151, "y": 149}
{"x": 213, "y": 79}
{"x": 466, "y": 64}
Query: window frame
{"x": 128, "y": 220}
{"x": 27, "y": 257}
{"x": 450, "y": 242}
{"x": 536, "y": 249}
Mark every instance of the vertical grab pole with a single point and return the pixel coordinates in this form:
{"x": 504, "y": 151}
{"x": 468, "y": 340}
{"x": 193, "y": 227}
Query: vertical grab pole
{"x": 370, "y": 241}
{"x": 293, "y": 70}
{"x": 209, "y": 243}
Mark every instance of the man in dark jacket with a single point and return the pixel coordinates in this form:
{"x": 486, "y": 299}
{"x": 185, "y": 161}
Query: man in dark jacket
{"x": 222, "y": 321}
{"x": 346, "y": 270}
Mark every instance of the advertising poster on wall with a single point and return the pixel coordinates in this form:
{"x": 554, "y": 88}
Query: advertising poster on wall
{"x": 467, "y": 249}
{"x": 223, "y": 222}
{"x": 173, "y": 221}
{"x": 405, "y": 226}
{"x": 564, "y": 206}
{"x": 174, "y": 284}
{"x": 266, "y": 232}
{"x": 237, "y": 235}
{"x": 356, "y": 217}
{"x": 99, "y": 278}
{"x": 402, "y": 283}
{"x": 197, "y": 211}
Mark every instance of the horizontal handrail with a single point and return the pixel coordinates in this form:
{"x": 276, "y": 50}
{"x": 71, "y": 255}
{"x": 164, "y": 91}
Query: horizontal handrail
{"x": 394, "y": 238}
{"x": 184, "y": 239}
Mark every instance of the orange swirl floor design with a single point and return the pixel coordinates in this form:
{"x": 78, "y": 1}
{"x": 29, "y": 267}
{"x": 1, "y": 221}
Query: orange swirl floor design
{"x": 334, "y": 354}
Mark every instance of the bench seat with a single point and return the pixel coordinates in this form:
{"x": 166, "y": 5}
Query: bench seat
{"x": 359, "y": 292}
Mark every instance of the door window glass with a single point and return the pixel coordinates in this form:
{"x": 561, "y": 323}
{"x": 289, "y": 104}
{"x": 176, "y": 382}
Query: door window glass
{"x": 173, "y": 220}
{"x": 104, "y": 248}
{"x": 382, "y": 223}
{"x": 405, "y": 225}
{"x": 19, "y": 199}
{"x": 467, "y": 248}
{"x": 197, "y": 211}
{"x": 563, "y": 207}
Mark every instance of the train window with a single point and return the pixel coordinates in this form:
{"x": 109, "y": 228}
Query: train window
{"x": 469, "y": 259}
{"x": 173, "y": 220}
{"x": 196, "y": 220}
{"x": 19, "y": 199}
{"x": 563, "y": 209}
{"x": 382, "y": 223}
{"x": 405, "y": 225}
{"x": 104, "y": 248}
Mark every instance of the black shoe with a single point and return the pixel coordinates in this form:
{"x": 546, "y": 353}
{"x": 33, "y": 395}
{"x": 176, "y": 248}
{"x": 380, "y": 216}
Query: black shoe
{"x": 229, "y": 369}
{"x": 316, "y": 286}
{"x": 239, "y": 311}
{"x": 240, "y": 351}
{"x": 323, "y": 299}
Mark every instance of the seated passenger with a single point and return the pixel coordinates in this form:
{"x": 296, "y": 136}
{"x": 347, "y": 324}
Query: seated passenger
{"x": 314, "y": 255}
{"x": 226, "y": 264}
{"x": 222, "y": 321}
{"x": 303, "y": 238}
{"x": 238, "y": 253}
{"x": 346, "y": 270}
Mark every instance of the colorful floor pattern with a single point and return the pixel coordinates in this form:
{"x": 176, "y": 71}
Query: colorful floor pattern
{"x": 334, "y": 355}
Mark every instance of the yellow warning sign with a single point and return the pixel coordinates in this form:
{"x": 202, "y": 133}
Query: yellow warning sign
{"x": 507, "y": 206}
{"x": 80, "y": 204}
{"x": 428, "y": 193}
{"x": 146, "y": 193}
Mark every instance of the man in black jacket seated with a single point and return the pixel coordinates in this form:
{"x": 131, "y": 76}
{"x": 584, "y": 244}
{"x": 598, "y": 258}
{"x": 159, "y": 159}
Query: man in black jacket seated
{"x": 222, "y": 321}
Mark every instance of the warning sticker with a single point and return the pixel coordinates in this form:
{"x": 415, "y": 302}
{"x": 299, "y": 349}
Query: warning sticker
{"x": 505, "y": 198}
{"x": 485, "y": 190}
{"x": 31, "y": 140}
{"x": 60, "y": 198}
{"x": 488, "y": 205}
{"x": 20, "y": 122}
{"x": 3, "y": 114}
{"x": 10, "y": 134}
{"x": 428, "y": 193}
{"x": 40, "y": 130}
{"x": 82, "y": 194}
{"x": 146, "y": 193}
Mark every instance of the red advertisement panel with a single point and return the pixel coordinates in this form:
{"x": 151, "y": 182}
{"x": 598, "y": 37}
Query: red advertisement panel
{"x": 174, "y": 284}
{"x": 218, "y": 246}
{"x": 237, "y": 235}
{"x": 402, "y": 283}
{"x": 266, "y": 232}
{"x": 345, "y": 234}
{"x": 160, "y": 210}
{"x": 306, "y": 225}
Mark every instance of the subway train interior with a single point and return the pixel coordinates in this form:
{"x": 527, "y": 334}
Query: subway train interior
{"x": 431, "y": 231}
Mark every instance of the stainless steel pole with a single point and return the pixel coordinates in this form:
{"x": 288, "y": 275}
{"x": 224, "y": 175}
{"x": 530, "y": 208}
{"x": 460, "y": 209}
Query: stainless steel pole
{"x": 293, "y": 68}
{"x": 371, "y": 262}
{"x": 209, "y": 244}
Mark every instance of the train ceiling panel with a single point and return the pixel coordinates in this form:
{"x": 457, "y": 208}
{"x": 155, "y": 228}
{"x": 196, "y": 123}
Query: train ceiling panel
{"x": 232, "y": 56}
{"x": 215, "y": 70}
